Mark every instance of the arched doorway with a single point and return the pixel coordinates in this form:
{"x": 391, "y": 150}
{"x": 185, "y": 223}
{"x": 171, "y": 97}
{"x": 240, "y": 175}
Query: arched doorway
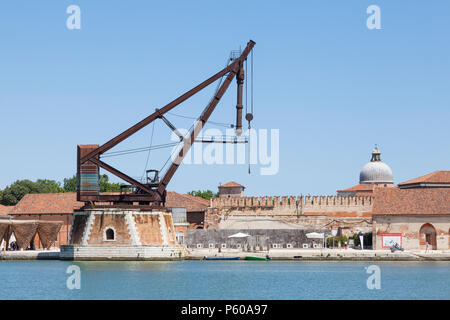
{"x": 427, "y": 234}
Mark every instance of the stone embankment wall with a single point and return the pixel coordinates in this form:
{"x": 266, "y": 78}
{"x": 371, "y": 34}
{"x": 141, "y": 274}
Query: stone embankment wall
{"x": 290, "y": 212}
{"x": 121, "y": 253}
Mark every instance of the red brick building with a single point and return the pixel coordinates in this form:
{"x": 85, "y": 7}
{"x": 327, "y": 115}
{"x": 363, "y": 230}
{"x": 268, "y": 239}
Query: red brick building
{"x": 231, "y": 190}
{"x": 416, "y": 213}
{"x": 61, "y": 206}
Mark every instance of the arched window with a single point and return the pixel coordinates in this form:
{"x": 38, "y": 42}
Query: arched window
{"x": 109, "y": 234}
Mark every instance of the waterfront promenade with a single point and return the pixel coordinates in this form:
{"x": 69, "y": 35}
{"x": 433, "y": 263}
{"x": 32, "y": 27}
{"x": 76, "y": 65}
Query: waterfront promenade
{"x": 275, "y": 254}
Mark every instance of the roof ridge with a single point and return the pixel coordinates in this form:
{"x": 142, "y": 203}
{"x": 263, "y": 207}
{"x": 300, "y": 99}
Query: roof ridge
{"x": 195, "y": 198}
{"x": 424, "y": 178}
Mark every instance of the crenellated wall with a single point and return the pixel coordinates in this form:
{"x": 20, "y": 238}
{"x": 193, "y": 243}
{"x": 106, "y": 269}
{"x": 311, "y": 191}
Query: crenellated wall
{"x": 295, "y": 205}
{"x": 301, "y": 211}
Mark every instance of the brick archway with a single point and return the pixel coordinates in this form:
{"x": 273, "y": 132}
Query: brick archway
{"x": 427, "y": 233}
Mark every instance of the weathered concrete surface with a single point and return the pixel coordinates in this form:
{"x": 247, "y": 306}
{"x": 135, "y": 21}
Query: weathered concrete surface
{"x": 325, "y": 254}
{"x": 275, "y": 254}
{"x": 128, "y": 253}
{"x": 259, "y": 239}
{"x": 30, "y": 255}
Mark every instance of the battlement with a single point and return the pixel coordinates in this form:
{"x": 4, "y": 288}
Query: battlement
{"x": 295, "y": 203}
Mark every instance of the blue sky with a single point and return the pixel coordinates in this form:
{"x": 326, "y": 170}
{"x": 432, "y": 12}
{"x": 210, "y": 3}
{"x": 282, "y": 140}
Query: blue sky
{"x": 331, "y": 86}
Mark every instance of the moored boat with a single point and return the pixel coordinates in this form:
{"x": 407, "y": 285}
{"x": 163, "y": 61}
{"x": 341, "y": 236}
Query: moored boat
{"x": 221, "y": 258}
{"x": 266, "y": 258}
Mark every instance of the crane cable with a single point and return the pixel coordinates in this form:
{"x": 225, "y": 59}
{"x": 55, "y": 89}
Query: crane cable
{"x": 149, "y": 151}
{"x": 251, "y": 103}
{"x": 193, "y": 118}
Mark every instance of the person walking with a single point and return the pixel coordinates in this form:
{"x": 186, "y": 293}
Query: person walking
{"x": 426, "y": 247}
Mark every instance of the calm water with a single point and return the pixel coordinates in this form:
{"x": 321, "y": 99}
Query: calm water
{"x": 224, "y": 280}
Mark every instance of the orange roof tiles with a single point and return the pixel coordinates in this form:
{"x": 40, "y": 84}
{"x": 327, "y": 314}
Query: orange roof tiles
{"x": 434, "y": 201}
{"x": 231, "y": 184}
{"x": 436, "y": 177}
{"x": 5, "y": 210}
{"x": 361, "y": 187}
{"x": 49, "y": 203}
{"x": 191, "y": 203}
{"x": 65, "y": 203}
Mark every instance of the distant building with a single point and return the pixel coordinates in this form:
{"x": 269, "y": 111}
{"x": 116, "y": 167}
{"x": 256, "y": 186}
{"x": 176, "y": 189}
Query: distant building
{"x": 48, "y": 207}
{"x": 416, "y": 213}
{"x": 194, "y": 208}
{"x": 373, "y": 175}
{"x": 61, "y": 206}
{"x": 231, "y": 190}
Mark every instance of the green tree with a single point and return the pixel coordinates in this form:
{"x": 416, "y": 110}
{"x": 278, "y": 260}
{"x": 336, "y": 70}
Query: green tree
{"x": 15, "y": 192}
{"x": 206, "y": 194}
{"x": 70, "y": 184}
{"x": 106, "y": 186}
{"x": 49, "y": 186}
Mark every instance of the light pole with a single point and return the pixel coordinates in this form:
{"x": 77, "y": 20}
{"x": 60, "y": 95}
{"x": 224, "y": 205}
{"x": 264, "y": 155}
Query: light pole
{"x": 334, "y": 233}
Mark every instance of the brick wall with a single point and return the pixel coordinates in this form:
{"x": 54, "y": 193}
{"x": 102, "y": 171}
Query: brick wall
{"x": 291, "y": 212}
{"x": 130, "y": 228}
{"x": 410, "y": 227}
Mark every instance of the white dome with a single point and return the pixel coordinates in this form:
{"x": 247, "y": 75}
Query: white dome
{"x": 376, "y": 171}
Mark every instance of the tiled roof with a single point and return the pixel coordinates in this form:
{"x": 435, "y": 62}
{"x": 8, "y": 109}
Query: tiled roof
{"x": 436, "y": 177}
{"x": 361, "y": 187}
{"x": 412, "y": 201}
{"x": 231, "y": 184}
{"x": 51, "y": 203}
{"x": 65, "y": 203}
{"x": 5, "y": 210}
{"x": 191, "y": 203}
{"x": 199, "y": 199}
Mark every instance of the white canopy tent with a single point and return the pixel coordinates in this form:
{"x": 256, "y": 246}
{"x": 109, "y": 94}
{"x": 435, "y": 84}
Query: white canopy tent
{"x": 315, "y": 235}
{"x": 239, "y": 235}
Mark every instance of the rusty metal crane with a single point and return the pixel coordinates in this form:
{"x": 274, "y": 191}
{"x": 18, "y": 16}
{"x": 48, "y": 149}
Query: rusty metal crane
{"x": 153, "y": 192}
